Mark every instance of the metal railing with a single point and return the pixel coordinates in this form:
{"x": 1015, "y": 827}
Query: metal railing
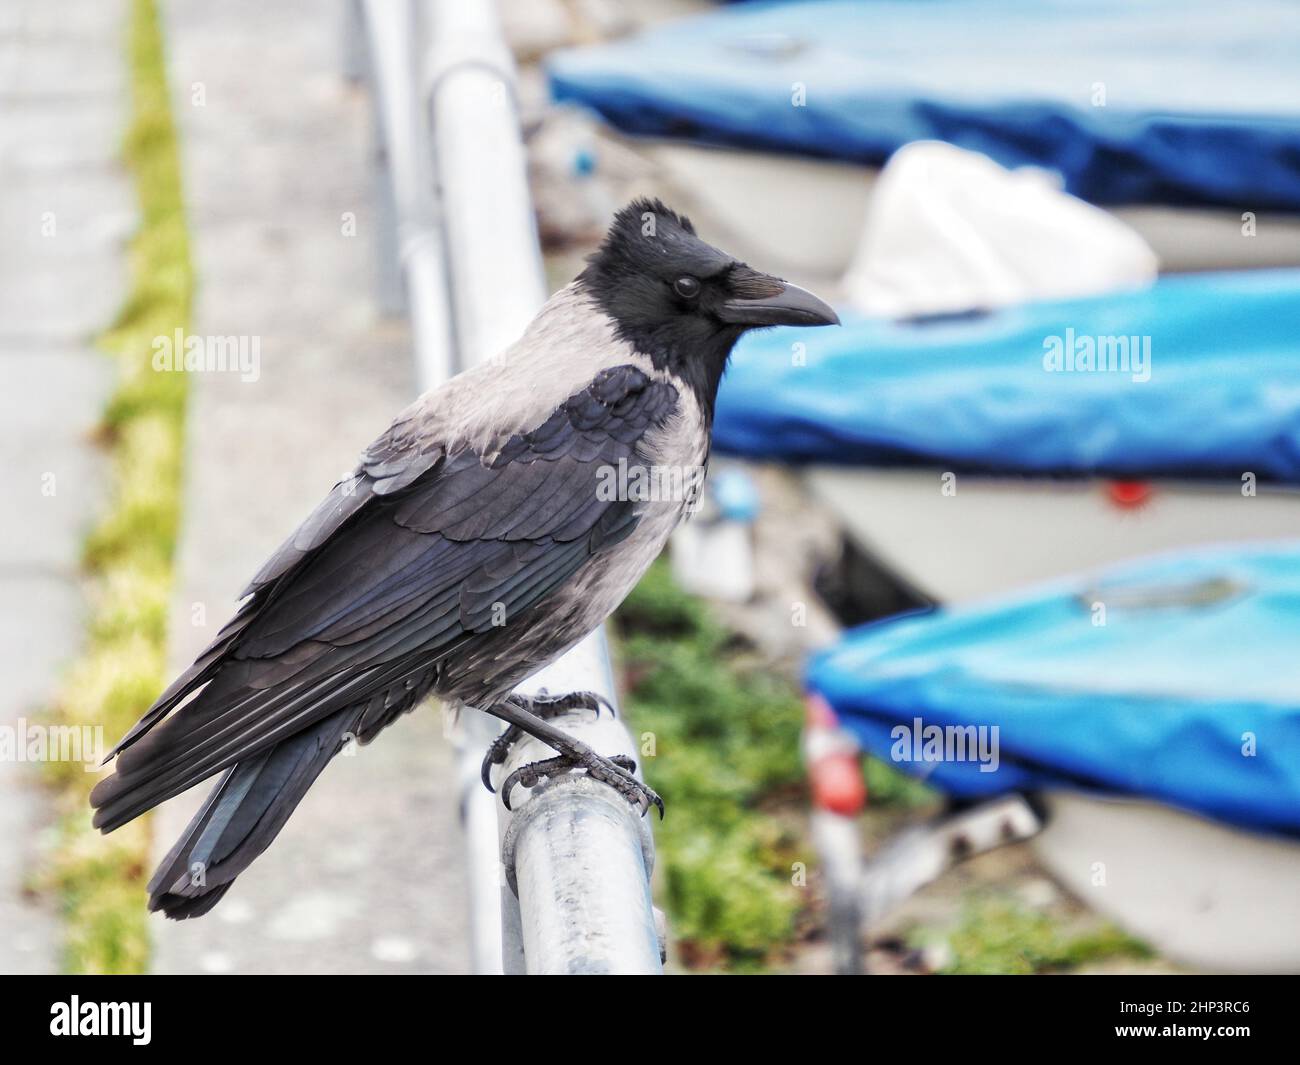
{"x": 561, "y": 885}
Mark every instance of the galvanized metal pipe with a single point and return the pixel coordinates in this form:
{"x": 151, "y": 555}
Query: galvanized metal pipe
{"x": 838, "y": 842}
{"x": 576, "y": 855}
{"x": 410, "y": 249}
{"x": 497, "y": 282}
{"x": 412, "y": 234}
{"x": 923, "y": 853}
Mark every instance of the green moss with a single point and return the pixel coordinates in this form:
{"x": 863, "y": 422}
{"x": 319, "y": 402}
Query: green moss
{"x": 996, "y": 936}
{"x": 725, "y": 731}
{"x": 128, "y": 556}
{"x": 720, "y": 740}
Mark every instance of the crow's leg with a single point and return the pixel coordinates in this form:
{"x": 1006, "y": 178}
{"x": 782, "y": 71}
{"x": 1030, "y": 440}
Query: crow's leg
{"x": 542, "y": 705}
{"x": 572, "y": 754}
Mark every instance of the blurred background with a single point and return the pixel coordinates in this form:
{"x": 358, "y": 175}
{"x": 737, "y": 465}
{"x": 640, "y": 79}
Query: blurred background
{"x": 980, "y": 655}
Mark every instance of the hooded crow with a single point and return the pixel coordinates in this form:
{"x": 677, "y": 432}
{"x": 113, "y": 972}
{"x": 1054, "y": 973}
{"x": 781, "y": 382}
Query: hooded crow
{"x": 480, "y": 537}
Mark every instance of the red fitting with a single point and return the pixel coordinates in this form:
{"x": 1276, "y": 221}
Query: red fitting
{"x": 837, "y": 784}
{"x": 834, "y": 762}
{"x": 1129, "y": 495}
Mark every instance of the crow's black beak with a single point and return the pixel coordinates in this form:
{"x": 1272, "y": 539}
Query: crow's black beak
{"x": 791, "y": 305}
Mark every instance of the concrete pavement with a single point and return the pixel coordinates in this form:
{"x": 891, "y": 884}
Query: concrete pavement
{"x": 367, "y": 876}
{"x": 66, "y": 212}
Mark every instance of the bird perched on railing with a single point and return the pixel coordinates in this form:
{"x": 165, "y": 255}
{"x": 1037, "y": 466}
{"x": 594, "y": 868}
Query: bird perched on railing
{"x": 497, "y": 521}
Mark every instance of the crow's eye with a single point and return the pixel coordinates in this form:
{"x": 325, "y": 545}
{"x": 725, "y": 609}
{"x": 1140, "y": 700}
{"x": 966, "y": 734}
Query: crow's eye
{"x": 687, "y": 287}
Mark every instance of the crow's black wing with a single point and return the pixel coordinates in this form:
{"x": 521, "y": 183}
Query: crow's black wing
{"x": 419, "y": 551}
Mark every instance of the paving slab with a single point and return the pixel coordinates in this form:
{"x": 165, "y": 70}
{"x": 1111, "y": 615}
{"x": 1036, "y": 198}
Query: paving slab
{"x": 62, "y": 114}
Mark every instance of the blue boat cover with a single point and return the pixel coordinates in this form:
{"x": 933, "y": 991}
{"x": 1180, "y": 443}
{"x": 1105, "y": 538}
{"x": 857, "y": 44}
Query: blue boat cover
{"x": 1188, "y": 694}
{"x": 1172, "y": 101}
{"x": 1217, "y": 392}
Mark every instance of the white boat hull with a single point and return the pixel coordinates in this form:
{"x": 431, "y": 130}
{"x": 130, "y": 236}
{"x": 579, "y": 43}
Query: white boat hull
{"x": 998, "y": 534}
{"x": 1201, "y": 893}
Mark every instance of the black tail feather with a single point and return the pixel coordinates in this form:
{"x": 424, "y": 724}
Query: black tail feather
{"x": 241, "y": 817}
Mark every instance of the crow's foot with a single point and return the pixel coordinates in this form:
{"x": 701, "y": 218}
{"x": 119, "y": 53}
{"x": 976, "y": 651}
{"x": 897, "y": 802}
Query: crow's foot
{"x": 616, "y": 772}
{"x": 544, "y": 706}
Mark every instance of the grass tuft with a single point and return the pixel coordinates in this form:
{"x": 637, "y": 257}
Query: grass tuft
{"x": 128, "y": 556}
{"x": 725, "y": 730}
{"x": 994, "y": 936}
{"x": 725, "y": 745}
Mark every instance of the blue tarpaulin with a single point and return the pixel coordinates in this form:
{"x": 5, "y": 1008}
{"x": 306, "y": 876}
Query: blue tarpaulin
{"x": 1171, "y": 101}
{"x": 1188, "y": 693}
{"x": 1211, "y": 386}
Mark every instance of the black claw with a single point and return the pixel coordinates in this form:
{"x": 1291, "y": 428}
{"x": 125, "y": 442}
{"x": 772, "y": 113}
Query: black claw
{"x": 507, "y": 786}
{"x": 640, "y": 795}
{"x": 544, "y": 704}
{"x": 495, "y": 755}
{"x": 528, "y": 775}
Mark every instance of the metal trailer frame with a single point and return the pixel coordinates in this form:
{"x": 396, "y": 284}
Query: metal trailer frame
{"x": 861, "y": 890}
{"x": 562, "y": 884}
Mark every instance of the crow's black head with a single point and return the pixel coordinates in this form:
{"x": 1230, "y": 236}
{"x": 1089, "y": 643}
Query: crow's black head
{"x": 683, "y": 302}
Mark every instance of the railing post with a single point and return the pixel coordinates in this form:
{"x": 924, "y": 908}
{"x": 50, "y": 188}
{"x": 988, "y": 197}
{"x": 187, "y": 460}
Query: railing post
{"x": 411, "y": 237}
{"x": 578, "y": 858}
{"x": 573, "y": 894}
